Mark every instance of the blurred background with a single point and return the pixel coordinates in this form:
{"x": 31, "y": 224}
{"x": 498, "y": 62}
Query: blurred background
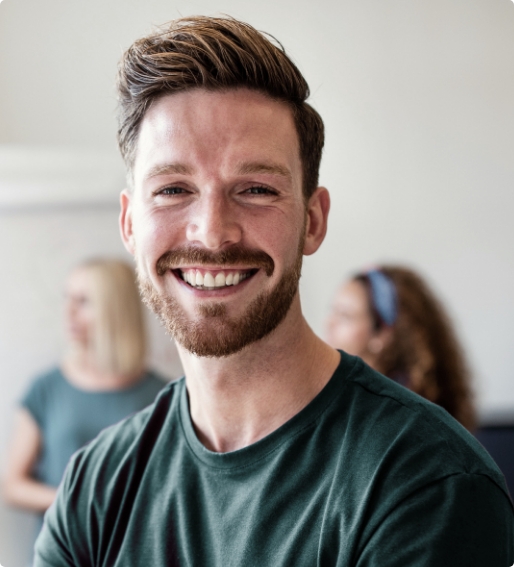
{"x": 417, "y": 98}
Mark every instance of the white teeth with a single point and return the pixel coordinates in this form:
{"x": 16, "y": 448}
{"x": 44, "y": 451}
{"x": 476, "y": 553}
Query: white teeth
{"x": 208, "y": 280}
{"x": 219, "y": 280}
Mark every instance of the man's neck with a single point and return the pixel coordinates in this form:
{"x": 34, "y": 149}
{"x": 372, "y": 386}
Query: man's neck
{"x": 236, "y": 400}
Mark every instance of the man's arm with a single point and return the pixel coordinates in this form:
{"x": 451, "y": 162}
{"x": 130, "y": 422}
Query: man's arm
{"x": 58, "y": 544}
{"x": 464, "y": 520}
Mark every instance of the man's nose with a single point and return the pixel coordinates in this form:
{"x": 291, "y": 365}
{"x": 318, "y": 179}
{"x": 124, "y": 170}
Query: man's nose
{"x": 214, "y": 224}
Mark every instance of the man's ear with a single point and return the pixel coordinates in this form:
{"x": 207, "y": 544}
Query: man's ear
{"x": 317, "y": 220}
{"x": 126, "y": 227}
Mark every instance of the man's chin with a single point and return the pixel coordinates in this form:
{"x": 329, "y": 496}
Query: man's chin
{"x": 210, "y": 338}
{"x": 212, "y": 333}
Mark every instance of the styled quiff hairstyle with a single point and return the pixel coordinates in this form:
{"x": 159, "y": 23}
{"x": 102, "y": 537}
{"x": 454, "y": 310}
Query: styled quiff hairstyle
{"x": 214, "y": 54}
{"x": 424, "y": 350}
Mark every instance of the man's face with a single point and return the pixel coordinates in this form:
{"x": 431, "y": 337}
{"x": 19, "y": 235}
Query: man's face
{"x": 216, "y": 218}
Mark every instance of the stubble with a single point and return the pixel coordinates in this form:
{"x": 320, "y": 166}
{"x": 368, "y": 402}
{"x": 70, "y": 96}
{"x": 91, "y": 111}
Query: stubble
{"x": 213, "y": 333}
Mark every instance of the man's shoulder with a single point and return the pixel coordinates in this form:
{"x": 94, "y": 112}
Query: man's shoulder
{"x": 392, "y": 420}
{"x": 147, "y": 421}
{"x": 135, "y": 434}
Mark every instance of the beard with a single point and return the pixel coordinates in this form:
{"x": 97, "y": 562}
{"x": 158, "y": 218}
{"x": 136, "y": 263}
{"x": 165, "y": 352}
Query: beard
{"x": 214, "y": 333}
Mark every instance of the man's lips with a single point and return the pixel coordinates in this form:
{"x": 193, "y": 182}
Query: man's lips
{"x": 243, "y": 259}
{"x": 209, "y": 279}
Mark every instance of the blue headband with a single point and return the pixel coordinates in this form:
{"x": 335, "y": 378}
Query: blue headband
{"x": 384, "y": 296}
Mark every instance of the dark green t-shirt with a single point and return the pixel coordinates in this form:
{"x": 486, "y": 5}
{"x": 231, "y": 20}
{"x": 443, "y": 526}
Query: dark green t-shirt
{"x": 367, "y": 475}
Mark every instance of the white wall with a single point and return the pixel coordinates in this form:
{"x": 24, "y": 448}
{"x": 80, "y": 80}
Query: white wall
{"x": 417, "y": 100}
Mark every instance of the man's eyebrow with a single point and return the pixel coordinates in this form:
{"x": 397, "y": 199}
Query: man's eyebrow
{"x": 249, "y": 167}
{"x": 168, "y": 169}
{"x": 244, "y": 168}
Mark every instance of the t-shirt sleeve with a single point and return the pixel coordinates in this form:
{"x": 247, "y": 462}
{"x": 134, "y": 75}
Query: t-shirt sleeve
{"x": 34, "y": 401}
{"x": 58, "y": 543}
{"x": 464, "y": 520}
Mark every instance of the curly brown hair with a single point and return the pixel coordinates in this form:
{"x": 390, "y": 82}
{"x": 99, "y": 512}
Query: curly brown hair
{"x": 214, "y": 54}
{"x": 423, "y": 349}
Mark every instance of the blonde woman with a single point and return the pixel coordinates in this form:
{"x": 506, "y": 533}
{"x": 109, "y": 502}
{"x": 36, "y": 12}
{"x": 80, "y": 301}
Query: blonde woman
{"x": 100, "y": 380}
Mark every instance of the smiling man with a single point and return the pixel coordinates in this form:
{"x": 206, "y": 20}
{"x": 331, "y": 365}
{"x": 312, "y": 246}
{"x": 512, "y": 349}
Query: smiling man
{"x": 219, "y": 217}
{"x": 274, "y": 449}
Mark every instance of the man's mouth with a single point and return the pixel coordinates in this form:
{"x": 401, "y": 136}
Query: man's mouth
{"x": 209, "y": 280}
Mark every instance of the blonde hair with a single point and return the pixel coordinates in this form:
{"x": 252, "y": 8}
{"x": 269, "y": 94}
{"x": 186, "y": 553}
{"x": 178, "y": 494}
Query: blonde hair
{"x": 119, "y": 339}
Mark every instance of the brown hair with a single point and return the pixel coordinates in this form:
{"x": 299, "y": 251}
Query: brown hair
{"x": 119, "y": 336}
{"x": 214, "y": 54}
{"x": 424, "y": 348}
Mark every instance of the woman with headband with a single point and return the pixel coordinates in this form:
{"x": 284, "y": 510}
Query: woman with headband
{"x": 391, "y": 319}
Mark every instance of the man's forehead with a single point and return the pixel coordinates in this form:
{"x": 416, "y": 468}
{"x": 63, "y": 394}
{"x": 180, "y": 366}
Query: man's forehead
{"x": 231, "y": 112}
{"x": 255, "y": 131}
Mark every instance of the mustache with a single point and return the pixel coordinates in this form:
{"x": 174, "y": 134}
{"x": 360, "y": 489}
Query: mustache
{"x": 235, "y": 255}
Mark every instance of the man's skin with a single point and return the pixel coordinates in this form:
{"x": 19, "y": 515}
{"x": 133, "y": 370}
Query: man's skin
{"x": 213, "y": 170}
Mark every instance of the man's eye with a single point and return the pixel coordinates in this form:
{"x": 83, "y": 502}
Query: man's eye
{"x": 171, "y": 191}
{"x": 259, "y": 190}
